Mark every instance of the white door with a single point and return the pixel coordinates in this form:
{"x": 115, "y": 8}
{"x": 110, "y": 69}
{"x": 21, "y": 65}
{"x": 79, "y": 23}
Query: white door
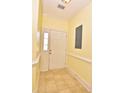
{"x": 57, "y": 50}
{"x": 54, "y": 50}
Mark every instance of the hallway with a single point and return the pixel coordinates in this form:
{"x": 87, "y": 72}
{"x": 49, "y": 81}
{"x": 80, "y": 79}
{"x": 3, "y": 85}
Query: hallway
{"x": 59, "y": 81}
{"x": 62, "y": 46}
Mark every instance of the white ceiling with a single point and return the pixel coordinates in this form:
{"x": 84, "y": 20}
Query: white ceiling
{"x": 50, "y": 8}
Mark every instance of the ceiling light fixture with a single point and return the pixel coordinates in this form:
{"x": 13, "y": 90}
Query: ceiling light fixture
{"x": 66, "y": 1}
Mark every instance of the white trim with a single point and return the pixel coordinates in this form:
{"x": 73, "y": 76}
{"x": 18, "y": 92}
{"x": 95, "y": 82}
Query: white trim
{"x": 82, "y": 81}
{"x": 49, "y": 30}
{"x": 37, "y": 60}
{"x": 80, "y": 57}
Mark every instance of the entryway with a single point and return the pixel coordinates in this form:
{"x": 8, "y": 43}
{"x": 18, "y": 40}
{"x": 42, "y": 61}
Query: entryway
{"x": 53, "y": 49}
{"x": 59, "y": 81}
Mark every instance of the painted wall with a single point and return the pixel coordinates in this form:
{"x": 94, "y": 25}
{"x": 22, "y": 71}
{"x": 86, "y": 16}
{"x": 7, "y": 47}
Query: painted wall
{"x": 82, "y": 17}
{"x": 35, "y": 77}
{"x": 81, "y": 67}
{"x": 35, "y": 47}
{"x": 55, "y": 23}
{"x": 36, "y": 26}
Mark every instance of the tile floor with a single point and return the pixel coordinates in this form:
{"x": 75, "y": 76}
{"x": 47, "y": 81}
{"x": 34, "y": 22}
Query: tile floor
{"x": 59, "y": 81}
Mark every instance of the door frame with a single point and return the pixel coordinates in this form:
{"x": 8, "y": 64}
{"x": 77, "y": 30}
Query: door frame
{"x": 42, "y": 43}
{"x": 49, "y": 30}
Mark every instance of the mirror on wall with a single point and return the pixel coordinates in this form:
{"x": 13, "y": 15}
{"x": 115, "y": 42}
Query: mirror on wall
{"x": 78, "y": 37}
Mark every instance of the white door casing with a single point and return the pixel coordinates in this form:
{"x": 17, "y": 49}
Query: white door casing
{"x": 55, "y": 57}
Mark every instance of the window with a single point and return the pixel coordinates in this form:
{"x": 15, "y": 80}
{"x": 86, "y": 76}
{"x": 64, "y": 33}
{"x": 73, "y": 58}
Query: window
{"x": 45, "y": 45}
{"x": 78, "y": 37}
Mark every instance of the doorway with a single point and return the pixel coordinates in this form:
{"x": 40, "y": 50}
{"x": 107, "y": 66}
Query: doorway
{"x": 53, "y": 49}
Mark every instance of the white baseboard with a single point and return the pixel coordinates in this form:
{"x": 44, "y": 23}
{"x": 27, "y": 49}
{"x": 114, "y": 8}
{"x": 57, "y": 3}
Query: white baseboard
{"x": 44, "y": 69}
{"x": 82, "y": 81}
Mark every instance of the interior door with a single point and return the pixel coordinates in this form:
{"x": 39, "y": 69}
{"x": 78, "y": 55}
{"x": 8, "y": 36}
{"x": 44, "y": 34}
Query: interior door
{"x": 53, "y": 49}
{"x": 57, "y": 49}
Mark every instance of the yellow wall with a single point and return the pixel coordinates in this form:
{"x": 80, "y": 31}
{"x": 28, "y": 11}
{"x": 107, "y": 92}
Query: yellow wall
{"x": 33, "y": 32}
{"x": 82, "y": 68}
{"x": 35, "y": 77}
{"x": 54, "y": 23}
{"x": 82, "y": 17}
{"x": 36, "y": 26}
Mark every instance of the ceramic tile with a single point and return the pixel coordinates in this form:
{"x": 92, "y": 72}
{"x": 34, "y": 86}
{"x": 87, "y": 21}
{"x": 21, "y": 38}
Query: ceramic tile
{"x": 77, "y": 90}
{"x": 62, "y": 86}
{"x": 59, "y": 81}
{"x": 42, "y": 89}
{"x": 65, "y": 91}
